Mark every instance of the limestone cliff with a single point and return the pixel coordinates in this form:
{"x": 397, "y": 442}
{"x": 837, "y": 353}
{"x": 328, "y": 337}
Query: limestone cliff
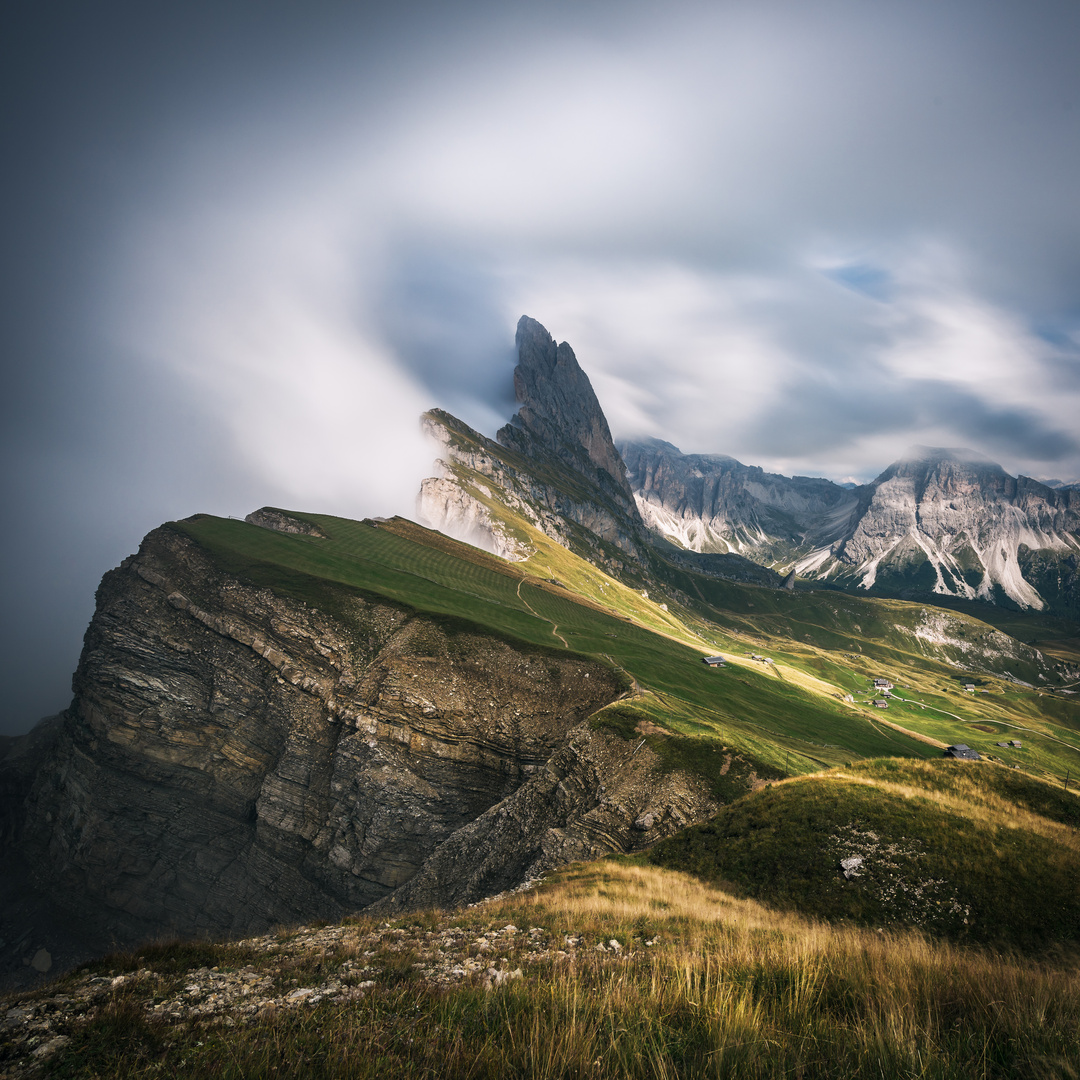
{"x": 235, "y": 757}
{"x": 713, "y": 503}
{"x": 560, "y": 414}
{"x": 555, "y": 465}
{"x": 951, "y": 522}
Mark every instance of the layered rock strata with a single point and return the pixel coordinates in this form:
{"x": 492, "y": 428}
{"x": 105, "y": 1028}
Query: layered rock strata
{"x": 235, "y": 758}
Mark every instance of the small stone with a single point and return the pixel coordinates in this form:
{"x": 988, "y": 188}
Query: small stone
{"x": 614, "y": 946}
{"x": 851, "y": 866}
{"x": 645, "y": 823}
{"x": 47, "y": 1049}
{"x": 42, "y": 961}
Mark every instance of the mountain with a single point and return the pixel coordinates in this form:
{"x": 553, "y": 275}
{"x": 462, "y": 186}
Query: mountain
{"x": 554, "y": 463}
{"x": 712, "y": 503}
{"x": 275, "y": 719}
{"x": 938, "y": 521}
{"x": 555, "y": 468}
{"x": 299, "y": 716}
{"x": 951, "y": 522}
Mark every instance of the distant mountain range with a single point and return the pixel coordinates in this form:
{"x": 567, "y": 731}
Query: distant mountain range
{"x": 938, "y": 521}
{"x": 944, "y": 521}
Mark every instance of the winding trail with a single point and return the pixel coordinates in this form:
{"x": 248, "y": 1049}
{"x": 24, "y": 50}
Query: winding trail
{"x": 542, "y": 618}
{"x": 635, "y": 688}
{"x": 990, "y": 720}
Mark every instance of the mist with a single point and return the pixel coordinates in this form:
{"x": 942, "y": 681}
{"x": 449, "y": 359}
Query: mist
{"x": 245, "y": 246}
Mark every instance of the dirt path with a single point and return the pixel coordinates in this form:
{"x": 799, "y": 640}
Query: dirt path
{"x": 1003, "y": 723}
{"x": 542, "y": 618}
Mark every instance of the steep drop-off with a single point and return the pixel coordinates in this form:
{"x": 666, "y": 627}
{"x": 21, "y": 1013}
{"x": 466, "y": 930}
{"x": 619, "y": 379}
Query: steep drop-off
{"x": 236, "y": 756}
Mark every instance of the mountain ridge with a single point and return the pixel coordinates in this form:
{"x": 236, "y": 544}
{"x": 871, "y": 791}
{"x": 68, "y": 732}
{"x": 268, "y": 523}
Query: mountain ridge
{"x": 941, "y": 520}
{"x": 298, "y": 715}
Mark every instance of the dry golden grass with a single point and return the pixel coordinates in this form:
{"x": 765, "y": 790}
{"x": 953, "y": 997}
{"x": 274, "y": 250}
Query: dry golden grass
{"x": 974, "y": 802}
{"x": 771, "y": 994}
{"x": 702, "y": 985}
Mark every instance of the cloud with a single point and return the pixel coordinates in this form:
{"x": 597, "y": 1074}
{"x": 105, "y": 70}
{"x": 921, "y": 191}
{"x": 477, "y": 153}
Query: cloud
{"x": 677, "y": 197}
{"x": 243, "y": 253}
{"x": 807, "y": 377}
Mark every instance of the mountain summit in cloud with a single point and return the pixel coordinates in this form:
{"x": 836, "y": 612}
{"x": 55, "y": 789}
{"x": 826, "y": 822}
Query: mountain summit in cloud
{"x": 560, "y": 412}
{"x": 938, "y": 520}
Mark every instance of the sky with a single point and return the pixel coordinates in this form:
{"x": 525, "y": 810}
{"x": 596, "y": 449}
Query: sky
{"x": 246, "y": 244}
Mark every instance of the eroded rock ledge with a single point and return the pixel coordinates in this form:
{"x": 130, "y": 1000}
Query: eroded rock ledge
{"x": 235, "y": 758}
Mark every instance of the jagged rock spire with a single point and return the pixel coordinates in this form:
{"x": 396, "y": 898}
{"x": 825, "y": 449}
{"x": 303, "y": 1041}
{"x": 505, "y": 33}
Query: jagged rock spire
{"x": 559, "y": 409}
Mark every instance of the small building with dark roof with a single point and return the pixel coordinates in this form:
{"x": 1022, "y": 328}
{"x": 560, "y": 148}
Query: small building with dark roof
{"x": 963, "y": 752}
{"x": 714, "y": 661}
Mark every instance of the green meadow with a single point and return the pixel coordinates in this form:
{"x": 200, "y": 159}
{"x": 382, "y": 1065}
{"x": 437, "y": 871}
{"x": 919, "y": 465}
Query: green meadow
{"x": 774, "y": 720}
{"x": 788, "y": 716}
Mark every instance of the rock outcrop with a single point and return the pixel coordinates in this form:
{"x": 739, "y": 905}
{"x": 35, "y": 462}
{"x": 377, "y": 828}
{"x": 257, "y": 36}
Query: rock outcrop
{"x": 555, "y": 465}
{"x": 269, "y": 517}
{"x": 560, "y": 414}
{"x": 236, "y": 758}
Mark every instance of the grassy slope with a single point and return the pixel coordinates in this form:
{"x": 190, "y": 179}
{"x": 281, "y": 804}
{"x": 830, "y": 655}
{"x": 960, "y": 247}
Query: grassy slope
{"x": 827, "y": 642}
{"x": 973, "y": 851}
{"x": 775, "y": 721}
{"x": 703, "y": 985}
{"x": 785, "y": 715}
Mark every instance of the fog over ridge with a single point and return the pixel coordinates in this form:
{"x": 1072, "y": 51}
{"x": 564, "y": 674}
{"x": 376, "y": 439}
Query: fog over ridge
{"x": 247, "y": 246}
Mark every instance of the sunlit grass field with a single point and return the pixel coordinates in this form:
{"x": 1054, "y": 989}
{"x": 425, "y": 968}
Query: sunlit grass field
{"x": 788, "y": 715}
{"x": 701, "y": 984}
{"x": 770, "y": 717}
{"x": 972, "y": 851}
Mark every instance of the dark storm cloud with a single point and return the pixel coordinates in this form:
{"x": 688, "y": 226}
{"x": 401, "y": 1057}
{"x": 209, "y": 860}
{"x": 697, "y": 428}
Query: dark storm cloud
{"x": 245, "y": 244}
{"x": 820, "y": 416}
{"x": 439, "y": 316}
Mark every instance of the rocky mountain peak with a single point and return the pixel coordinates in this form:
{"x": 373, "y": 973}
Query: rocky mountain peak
{"x": 559, "y": 409}
{"x": 943, "y": 472}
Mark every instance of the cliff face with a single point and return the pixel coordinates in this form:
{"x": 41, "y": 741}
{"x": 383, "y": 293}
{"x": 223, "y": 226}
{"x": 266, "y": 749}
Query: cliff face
{"x": 480, "y": 476}
{"x": 560, "y": 414}
{"x": 235, "y": 758}
{"x": 712, "y": 503}
{"x": 937, "y": 520}
{"x": 952, "y": 523}
{"x": 555, "y": 465}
